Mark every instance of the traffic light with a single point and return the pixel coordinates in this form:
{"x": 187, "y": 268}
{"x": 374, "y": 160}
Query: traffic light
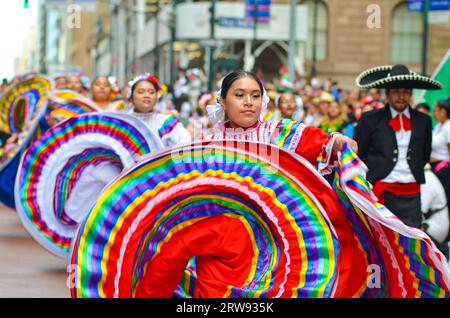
{"x": 25, "y": 4}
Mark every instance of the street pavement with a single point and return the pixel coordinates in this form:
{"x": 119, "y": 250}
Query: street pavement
{"x": 27, "y": 270}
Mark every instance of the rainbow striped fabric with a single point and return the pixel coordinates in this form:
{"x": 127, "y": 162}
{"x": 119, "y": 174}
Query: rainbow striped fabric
{"x": 269, "y": 116}
{"x": 60, "y": 82}
{"x": 410, "y": 264}
{"x": 168, "y": 125}
{"x": 286, "y": 133}
{"x": 22, "y": 104}
{"x": 63, "y": 172}
{"x": 180, "y": 203}
{"x": 33, "y": 92}
{"x": 67, "y": 103}
{"x": 257, "y": 227}
{"x": 123, "y": 105}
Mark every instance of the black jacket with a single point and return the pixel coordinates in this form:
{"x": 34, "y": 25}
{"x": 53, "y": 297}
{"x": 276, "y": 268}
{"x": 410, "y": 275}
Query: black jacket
{"x": 377, "y": 144}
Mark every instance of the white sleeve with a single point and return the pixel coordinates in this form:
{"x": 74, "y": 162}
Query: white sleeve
{"x": 426, "y": 194}
{"x": 433, "y": 199}
{"x": 447, "y": 133}
{"x": 178, "y": 135}
{"x": 438, "y": 225}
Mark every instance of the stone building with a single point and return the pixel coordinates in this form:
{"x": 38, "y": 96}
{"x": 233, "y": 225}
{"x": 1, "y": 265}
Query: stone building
{"x": 335, "y": 38}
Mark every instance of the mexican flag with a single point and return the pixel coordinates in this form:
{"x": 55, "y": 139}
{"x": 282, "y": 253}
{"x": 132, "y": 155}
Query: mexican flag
{"x": 442, "y": 75}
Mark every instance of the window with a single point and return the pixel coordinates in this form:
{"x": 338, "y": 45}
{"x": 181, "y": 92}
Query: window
{"x": 321, "y": 30}
{"x": 406, "y": 37}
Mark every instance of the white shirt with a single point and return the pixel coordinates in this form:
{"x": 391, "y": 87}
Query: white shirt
{"x": 441, "y": 139}
{"x": 401, "y": 172}
{"x": 262, "y": 132}
{"x": 432, "y": 197}
{"x": 312, "y": 119}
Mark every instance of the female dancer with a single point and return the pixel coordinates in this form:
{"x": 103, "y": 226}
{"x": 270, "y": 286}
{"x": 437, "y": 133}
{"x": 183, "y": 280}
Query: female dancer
{"x": 185, "y": 222}
{"x": 101, "y": 92}
{"x": 143, "y": 94}
{"x": 237, "y": 115}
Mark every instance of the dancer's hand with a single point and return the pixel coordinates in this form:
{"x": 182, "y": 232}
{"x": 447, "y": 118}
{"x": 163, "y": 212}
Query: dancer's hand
{"x": 339, "y": 143}
{"x": 13, "y": 138}
{"x": 51, "y": 120}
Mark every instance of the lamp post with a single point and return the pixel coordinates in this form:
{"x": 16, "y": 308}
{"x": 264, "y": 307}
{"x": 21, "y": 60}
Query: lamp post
{"x": 156, "y": 64}
{"x": 255, "y": 29}
{"x": 173, "y": 19}
{"x": 425, "y": 36}
{"x": 114, "y": 10}
{"x": 98, "y": 35}
{"x": 68, "y": 55}
{"x": 212, "y": 21}
{"x": 314, "y": 44}
{"x": 292, "y": 41}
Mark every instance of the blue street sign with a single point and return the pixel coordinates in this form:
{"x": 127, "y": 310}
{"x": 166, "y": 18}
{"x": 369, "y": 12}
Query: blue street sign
{"x": 259, "y": 9}
{"x": 259, "y": 2}
{"x": 234, "y": 22}
{"x": 435, "y": 5}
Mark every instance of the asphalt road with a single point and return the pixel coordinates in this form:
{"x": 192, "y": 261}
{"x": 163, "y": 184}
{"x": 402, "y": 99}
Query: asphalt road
{"x": 26, "y": 269}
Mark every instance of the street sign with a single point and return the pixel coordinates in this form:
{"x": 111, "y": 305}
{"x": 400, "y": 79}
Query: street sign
{"x": 259, "y": 9}
{"x": 234, "y": 22}
{"x": 435, "y": 5}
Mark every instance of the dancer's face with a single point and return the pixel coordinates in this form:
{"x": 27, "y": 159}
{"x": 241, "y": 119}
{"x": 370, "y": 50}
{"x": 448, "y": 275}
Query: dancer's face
{"x": 74, "y": 83}
{"x": 101, "y": 89}
{"x": 144, "y": 97}
{"x": 242, "y": 103}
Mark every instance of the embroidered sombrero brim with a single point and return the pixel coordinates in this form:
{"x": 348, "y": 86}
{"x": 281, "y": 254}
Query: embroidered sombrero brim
{"x": 381, "y": 77}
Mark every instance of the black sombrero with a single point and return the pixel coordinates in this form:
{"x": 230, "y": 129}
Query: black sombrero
{"x": 396, "y": 76}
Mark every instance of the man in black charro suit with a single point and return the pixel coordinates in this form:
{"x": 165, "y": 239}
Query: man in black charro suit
{"x": 395, "y": 141}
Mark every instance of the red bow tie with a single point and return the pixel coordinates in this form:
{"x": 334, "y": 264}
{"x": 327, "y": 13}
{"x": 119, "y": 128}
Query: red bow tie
{"x": 395, "y": 123}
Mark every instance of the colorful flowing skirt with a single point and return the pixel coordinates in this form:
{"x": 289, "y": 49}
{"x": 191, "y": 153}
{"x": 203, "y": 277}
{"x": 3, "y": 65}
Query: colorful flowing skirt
{"x": 62, "y": 174}
{"x": 22, "y": 109}
{"x": 244, "y": 219}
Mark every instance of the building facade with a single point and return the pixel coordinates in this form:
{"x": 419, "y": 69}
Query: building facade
{"x": 29, "y": 60}
{"x": 353, "y": 44}
{"x": 64, "y": 36}
{"x": 334, "y": 38}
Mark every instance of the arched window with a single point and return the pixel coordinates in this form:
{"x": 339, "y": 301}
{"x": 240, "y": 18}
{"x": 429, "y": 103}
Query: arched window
{"x": 321, "y": 30}
{"x": 406, "y": 36}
